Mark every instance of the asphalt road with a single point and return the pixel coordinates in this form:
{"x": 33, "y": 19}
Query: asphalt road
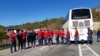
{"x": 59, "y": 50}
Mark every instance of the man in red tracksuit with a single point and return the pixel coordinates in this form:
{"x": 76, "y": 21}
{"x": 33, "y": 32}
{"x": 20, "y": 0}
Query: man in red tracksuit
{"x": 57, "y": 34}
{"x": 76, "y": 36}
{"x": 50, "y": 41}
{"x": 46, "y": 36}
{"x": 67, "y": 36}
{"x": 39, "y": 35}
{"x": 12, "y": 38}
{"x": 43, "y": 36}
{"x": 24, "y": 34}
{"x": 62, "y": 35}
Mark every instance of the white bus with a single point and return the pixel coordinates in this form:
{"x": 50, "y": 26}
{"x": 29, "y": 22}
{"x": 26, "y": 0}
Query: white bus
{"x": 80, "y": 18}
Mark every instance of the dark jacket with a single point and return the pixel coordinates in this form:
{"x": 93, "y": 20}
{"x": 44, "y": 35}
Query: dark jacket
{"x": 98, "y": 33}
{"x": 34, "y": 35}
{"x": 90, "y": 33}
{"x": 19, "y": 37}
{"x": 31, "y": 36}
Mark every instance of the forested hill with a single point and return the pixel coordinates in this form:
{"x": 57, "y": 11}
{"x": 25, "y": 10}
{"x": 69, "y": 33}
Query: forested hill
{"x": 96, "y": 13}
{"x": 52, "y": 23}
{"x": 48, "y": 23}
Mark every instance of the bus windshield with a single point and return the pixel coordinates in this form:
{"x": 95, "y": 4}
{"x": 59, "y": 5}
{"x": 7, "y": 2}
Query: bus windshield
{"x": 81, "y": 14}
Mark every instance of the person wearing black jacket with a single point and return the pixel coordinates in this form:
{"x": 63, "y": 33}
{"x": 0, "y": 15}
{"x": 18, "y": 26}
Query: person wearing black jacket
{"x": 28, "y": 38}
{"x": 20, "y": 42}
{"x": 31, "y": 36}
{"x": 90, "y": 39}
{"x": 98, "y": 35}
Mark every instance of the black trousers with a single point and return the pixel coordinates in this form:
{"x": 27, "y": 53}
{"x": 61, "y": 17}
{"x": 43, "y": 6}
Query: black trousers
{"x": 20, "y": 44}
{"x": 13, "y": 45}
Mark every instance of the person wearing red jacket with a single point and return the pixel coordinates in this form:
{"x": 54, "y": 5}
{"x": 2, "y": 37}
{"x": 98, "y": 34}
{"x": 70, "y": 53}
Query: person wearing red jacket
{"x": 24, "y": 34}
{"x": 43, "y": 36}
{"x": 12, "y": 38}
{"x": 46, "y": 36}
{"x": 57, "y": 34}
{"x": 39, "y": 35}
{"x": 50, "y": 41}
{"x": 67, "y": 36}
{"x": 76, "y": 36}
{"x": 62, "y": 35}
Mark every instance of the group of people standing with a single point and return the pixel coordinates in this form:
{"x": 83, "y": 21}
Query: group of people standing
{"x": 44, "y": 37}
{"x": 20, "y": 36}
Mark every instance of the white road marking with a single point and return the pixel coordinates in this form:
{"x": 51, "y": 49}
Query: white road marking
{"x": 43, "y": 47}
{"x": 80, "y": 50}
{"x": 85, "y": 50}
{"x": 92, "y": 50}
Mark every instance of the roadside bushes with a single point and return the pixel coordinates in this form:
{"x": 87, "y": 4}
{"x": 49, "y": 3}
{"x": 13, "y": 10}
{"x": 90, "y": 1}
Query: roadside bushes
{"x": 3, "y": 36}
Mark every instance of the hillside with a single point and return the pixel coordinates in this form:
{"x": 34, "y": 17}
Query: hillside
{"x": 52, "y": 23}
{"x": 96, "y": 14}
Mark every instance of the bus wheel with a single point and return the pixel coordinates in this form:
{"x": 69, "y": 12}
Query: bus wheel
{"x": 82, "y": 41}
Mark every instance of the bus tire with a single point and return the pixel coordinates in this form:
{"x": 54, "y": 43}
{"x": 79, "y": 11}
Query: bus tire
{"x": 82, "y": 41}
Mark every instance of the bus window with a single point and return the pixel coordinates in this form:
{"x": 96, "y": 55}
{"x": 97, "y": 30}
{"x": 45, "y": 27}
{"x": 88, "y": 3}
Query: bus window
{"x": 80, "y": 14}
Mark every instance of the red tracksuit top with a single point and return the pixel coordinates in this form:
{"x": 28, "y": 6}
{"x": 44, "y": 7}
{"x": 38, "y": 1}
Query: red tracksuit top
{"x": 51, "y": 34}
{"x": 46, "y": 34}
{"x": 61, "y": 33}
{"x": 23, "y": 35}
{"x": 89, "y": 33}
{"x": 57, "y": 33}
{"x": 76, "y": 33}
{"x": 12, "y": 36}
{"x": 68, "y": 33}
{"x": 39, "y": 34}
